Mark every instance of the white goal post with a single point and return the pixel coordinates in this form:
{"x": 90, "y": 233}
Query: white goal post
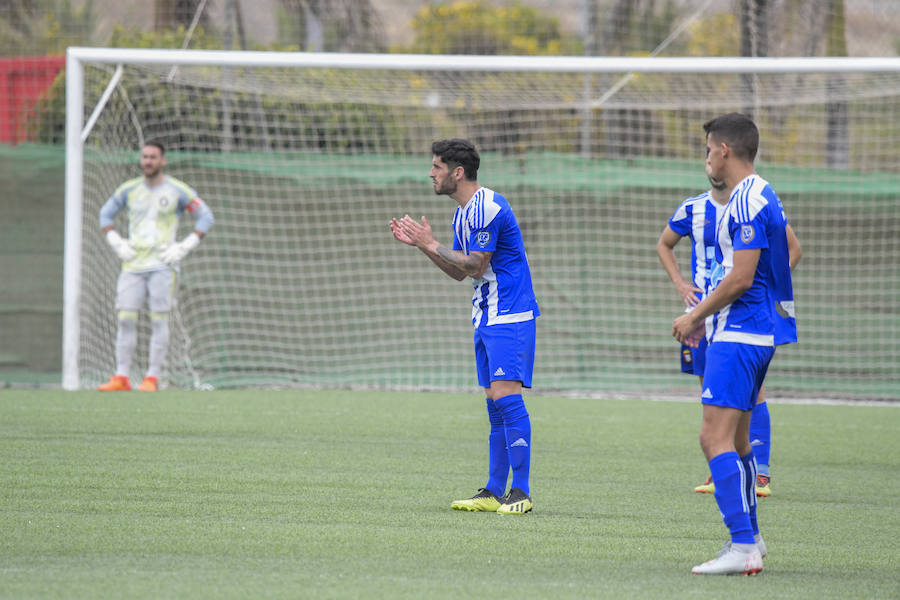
{"x": 613, "y": 117}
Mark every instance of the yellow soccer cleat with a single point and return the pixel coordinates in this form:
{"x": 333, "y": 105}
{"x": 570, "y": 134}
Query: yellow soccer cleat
{"x": 149, "y": 384}
{"x": 516, "y": 502}
{"x": 483, "y": 501}
{"x": 707, "y": 487}
{"x": 116, "y": 383}
{"x": 762, "y": 486}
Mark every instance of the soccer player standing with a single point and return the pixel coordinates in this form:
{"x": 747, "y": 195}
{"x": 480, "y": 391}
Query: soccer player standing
{"x": 488, "y": 247}
{"x": 750, "y": 297}
{"x": 150, "y": 257}
{"x": 696, "y": 218}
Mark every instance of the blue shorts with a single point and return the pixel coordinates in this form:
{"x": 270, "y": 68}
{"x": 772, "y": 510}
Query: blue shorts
{"x": 505, "y": 353}
{"x": 734, "y": 373}
{"x": 693, "y": 360}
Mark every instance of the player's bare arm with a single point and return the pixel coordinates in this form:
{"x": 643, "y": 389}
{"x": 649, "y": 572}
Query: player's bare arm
{"x": 401, "y": 234}
{"x": 730, "y": 289}
{"x": 794, "y": 251}
{"x": 665, "y": 249}
{"x": 456, "y": 264}
{"x": 473, "y": 264}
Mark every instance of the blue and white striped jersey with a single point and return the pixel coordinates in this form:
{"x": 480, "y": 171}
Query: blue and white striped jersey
{"x": 697, "y": 218}
{"x": 764, "y": 314}
{"x": 504, "y": 293}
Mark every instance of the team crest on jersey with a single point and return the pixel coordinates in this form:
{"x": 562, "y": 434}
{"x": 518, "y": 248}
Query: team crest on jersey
{"x": 686, "y": 356}
{"x": 163, "y": 201}
{"x": 747, "y": 233}
{"x": 483, "y": 238}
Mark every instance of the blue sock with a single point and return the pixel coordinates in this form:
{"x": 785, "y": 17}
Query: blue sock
{"x": 728, "y": 474}
{"x": 498, "y": 458}
{"x": 518, "y": 438}
{"x": 761, "y": 435}
{"x": 749, "y": 464}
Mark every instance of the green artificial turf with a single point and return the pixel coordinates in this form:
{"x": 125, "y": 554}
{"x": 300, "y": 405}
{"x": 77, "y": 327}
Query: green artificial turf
{"x": 343, "y": 494}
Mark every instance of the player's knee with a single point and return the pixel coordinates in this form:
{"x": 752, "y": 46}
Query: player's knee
{"x": 500, "y": 389}
{"x": 709, "y": 443}
{"x": 742, "y": 445}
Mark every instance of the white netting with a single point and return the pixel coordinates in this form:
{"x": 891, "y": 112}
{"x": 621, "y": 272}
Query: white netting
{"x": 301, "y": 283}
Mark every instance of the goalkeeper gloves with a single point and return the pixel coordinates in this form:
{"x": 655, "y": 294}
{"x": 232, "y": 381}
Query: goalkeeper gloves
{"x": 121, "y": 246}
{"x": 176, "y": 252}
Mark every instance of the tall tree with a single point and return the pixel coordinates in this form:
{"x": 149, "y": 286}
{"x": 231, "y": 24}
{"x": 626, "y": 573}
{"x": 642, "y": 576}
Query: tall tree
{"x": 754, "y": 16}
{"x": 170, "y": 14}
{"x": 618, "y": 26}
{"x": 590, "y": 34}
{"x": 837, "y": 139}
{"x": 333, "y": 25}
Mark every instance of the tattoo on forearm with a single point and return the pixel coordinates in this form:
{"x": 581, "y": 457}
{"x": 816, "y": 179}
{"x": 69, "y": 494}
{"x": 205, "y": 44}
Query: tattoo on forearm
{"x": 447, "y": 254}
{"x": 455, "y": 259}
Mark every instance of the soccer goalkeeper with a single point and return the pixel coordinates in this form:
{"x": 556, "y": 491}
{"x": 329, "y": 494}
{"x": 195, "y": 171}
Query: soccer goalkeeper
{"x": 150, "y": 258}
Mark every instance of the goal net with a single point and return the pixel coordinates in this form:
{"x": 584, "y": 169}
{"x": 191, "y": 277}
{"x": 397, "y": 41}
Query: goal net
{"x": 304, "y": 158}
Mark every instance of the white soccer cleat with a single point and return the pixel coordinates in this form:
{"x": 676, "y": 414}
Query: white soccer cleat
{"x": 760, "y": 545}
{"x": 733, "y": 561}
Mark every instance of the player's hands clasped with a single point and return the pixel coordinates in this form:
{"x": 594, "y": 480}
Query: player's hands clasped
{"x": 686, "y": 330}
{"x": 176, "y": 252}
{"x": 399, "y": 234}
{"x": 411, "y": 232}
{"x": 122, "y": 247}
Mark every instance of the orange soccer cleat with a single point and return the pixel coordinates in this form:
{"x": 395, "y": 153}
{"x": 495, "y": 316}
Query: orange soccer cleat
{"x": 149, "y": 384}
{"x": 116, "y": 383}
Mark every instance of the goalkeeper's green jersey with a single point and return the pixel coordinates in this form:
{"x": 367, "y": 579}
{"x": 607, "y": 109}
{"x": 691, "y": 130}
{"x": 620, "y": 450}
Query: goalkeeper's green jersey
{"x": 153, "y": 215}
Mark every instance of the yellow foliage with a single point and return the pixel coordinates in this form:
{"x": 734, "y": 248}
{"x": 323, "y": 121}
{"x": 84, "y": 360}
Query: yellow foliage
{"x": 479, "y": 27}
{"x": 716, "y": 35}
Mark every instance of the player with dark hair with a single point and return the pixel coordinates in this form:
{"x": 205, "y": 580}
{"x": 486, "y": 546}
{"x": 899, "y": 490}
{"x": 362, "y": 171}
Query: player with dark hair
{"x": 150, "y": 256}
{"x": 696, "y": 218}
{"x": 488, "y": 247}
{"x": 750, "y": 303}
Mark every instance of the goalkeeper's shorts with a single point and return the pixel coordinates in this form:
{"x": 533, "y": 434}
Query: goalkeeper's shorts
{"x": 155, "y": 287}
